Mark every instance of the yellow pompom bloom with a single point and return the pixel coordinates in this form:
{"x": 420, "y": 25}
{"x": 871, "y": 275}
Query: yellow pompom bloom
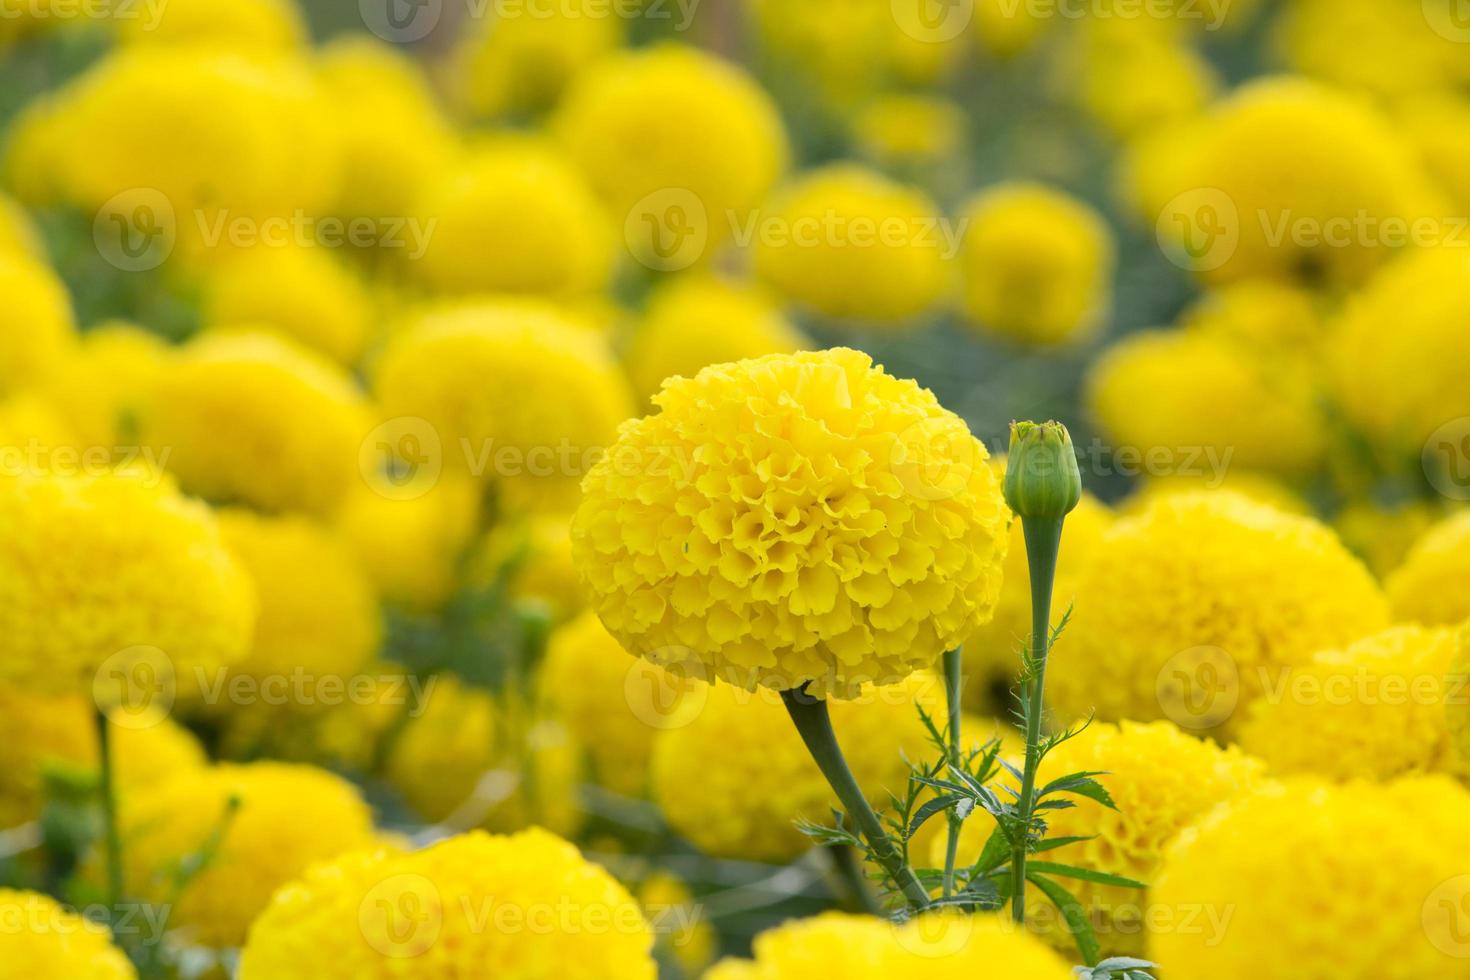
{"x": 1400, "y": 353}
{"x": 1258, "y": 487}
{"x": 288, "y": 818}
{"x": 39, "y": 732}
{"x": 673, "y": 119}
{"x": 1283, "y": 177}
{"x": 790, "y": 519}
{"x": 535, "y": 553}
{"x": 1374, "y": 710}
{"x": 694, "y": 322}
{"x": 613, "y": 703}
{"x": 319, "y": 615}
{"x": 19, "y": 236}
{"x": 1178, "y": 393}
{"x": 523, "y": 62}
{"x": 41, "y": 938}
{"x": 942, "y": 946}
{"x": 36, "y": 326}
{"x": 270, "y": 25}
{"x": 513, "y": 216}
{"x": 1432, "y": 586}
{"x": 1162, "y": 780}
{"x": 732, "y": 775}
{"x": 526, "y": 905}
{"x": 409, "y": 537}
{"x": 393, "y": 133}
{"x": 300, "y": 289}
{"x": 467, "y": 370}
{"x": 1383, "y": 535}
{"x": 101, "y": 388}
{"x": 679, "y": 924}
{"x": 1131, "y": 81}
{"x": 902, "y": 130}
{"x": 440, "y": 756}
{"x": 157, "y": 578}
{"x": 846, "y": 241}
{"x": 1437, "y": 124}
{"x": 1191, "y": 607}
{"x": 254, "y": 418}
{"x": 1266, "y": 858}
{"x": 1036, "y": 265}
{"x": 1267, "y": 312}
{"x": 1384, "y": 47}
{"x": 35, "y": 439}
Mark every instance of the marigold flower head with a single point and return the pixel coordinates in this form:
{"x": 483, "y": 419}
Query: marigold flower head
{"x": 1259, "y": 487}
{"x": 1230, "y": 864}
{"x": 1177, "y": 390}
{"x": 941, "y": 945}
{"x": 438, "y": 757}
{"x": 672, "y": 118}
{"x": 465, "y": 370}
{"x": 1132, "y": 81}
{"x": 909, "y": 130}
{"x": 1382, "y": 535}
{"x": 1437, "y": 124}
{"x": 846, "y": 241}
{"x": 513, "y": 216}
{"x": 392, "y": 131}
{"x": 284, "y": 818}
{"x": 533, "y": 557}
{"x": 693, "y": 322}
{"x": 1372, "y": 46}
{"x": 269, "y": 25}
{"x": 1270, "y": 313}
{"x": 732, "y": 775}
{"x": 301, "y": 289}
{"x": 1432, "y": 586}
{"x": 41, "y": 938}
{"x": 254, "y": 418}
{"x": 158, "y": 579}
{"x": 1399, "y": 385}
{"x": 1186, "y": 609}
{"x": 526, "y": 905}
{"x": 36, "y": 326}
{"x": 1036, "y": 265}
{"x": 318, "y": 611}
{"x": 101, "y": 387}
{"x": 792, "y": 519}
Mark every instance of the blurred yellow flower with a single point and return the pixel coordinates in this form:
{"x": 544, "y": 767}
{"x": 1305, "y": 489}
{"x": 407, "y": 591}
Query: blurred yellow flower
{"x": 1383, "y": 534}
{"x": 534, "y": 554}
{"x": 102, "y": 386}
{"x": 42, "y": 938}
{"x": 1131, "y": 81}
{"x": 1384, "y": 47}
{"x": 270, "y": 25}
{"x": 439, "y": 757}
{"x": 36, "y": 326}
{"x": 1432, "y": 586}
{"x": 901, "y": 129}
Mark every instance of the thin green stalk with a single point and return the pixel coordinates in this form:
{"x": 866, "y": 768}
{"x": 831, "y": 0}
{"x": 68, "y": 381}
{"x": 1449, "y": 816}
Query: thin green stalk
{"x": 1043, "y": 542}
{"x": 814, "y": 724}
{"x": 111, "y": 835}
{"x": 953, "y": 677}
{"x": 850, "y": 870}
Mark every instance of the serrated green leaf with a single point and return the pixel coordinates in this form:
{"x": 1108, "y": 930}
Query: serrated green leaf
{"x": 1081, "y": 784}
{"x": 1081, "y": 874}
{"x": 1052, "y": 843}
{"x": 1074, "y": 915}
{"x": 937, "y": 805}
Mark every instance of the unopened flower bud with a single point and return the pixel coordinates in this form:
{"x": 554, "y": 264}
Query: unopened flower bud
{"x": 1042, "y": 478}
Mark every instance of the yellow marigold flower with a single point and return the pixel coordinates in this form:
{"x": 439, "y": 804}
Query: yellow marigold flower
{"x": 846, "y": 241}
{"x": 1177, "y": 392}
{"x": 1283, "y": 177}
{"x": 526, "y": 905}
{"x": 318, "y": 613}
{"x": 1399, "y": 385}
{"x": 1131, "y": 81}
{"x": 101, "y": 388}
{"x": 1162, "y": 780}
{"x": 1036, "y": 265}
{"x": 439, "y": 757}
{"x": 466, "y": 371}
{"x": 1432, "y": 586}
{"x": 158, "y": 578}
{"x": 271, "y": 25}
{"x": 653, "y": 126}
{"x": 943, "y": 946}
{"x": 220, "y": 135}
{"x": 1437, "y": 124}
{"x": 35, "y": 439}
{"x": 1186, "y": 609}
{"x": 1266, "y": 857}
{"x": 36, "y": 325}
{"x": 19, "y": 236}
{"x": 252, "y": 417}
{"x": 522, "y": 63}
{"x": 992, "y": 652}
{"x": 790, "y": 519}
{"x": 1383, "y": 535}
{"x": 613, "y": 703}
{"x": 1383, "y": 47}
{"x": 1374, "y": 710}
{"x": 513, "y": 216}
{"x": 732, "y": 775}
{"x": 535, "y": 555}
{"x": 288, "y": 817}
{"x": 300, "y": 289}
{"x": 410, "y": 536}
{"x": 691, "y": 323}
{"x": 1268, "y": 312}
{"x": 900, "y": 130}
{"x": 393, "y": 132}
{"x": 39, "y": 732}
{"x": 41, "y": 938}
{"x": 1215, "y": 475}
{"x": 679, "y": 925}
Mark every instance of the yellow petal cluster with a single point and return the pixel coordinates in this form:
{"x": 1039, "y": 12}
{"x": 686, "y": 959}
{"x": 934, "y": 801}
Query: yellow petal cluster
{"x": 102, "y": 387}
{"x": 41, "y": 938}
{"x": 523, "y": 62}
{"x": 790, "y": 519}
{"x": 1432, "y": 586}
{"x": 37, "y": 330}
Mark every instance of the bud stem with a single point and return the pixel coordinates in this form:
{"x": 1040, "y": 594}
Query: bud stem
{"x": 108, "y": 790}
{"x": 953, "y": 677}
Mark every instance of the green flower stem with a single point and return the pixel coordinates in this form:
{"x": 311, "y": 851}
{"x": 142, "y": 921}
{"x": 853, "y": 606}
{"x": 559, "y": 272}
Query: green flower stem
{"x": 953, "y": 677}
{"x": 112, "y": 836}
{"x": 850, "y": 870}
{"x": 1043, "y": 543}
{"x": 814, "y": 724}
